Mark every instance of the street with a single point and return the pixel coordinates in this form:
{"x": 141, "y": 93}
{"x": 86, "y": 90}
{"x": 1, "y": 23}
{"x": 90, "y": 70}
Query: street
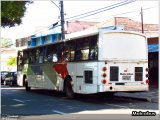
{"x": 16, "y": 101}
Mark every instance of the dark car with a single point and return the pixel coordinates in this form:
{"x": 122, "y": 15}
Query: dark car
{"x": 11, "y": 78}
{"x": 3, "y": 75}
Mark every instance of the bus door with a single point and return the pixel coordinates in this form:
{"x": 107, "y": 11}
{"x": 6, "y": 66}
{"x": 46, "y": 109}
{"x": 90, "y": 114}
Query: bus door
{"x": 19, "y": 61}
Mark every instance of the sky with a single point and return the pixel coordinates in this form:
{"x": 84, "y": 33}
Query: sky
{"x": 44, "y": 13}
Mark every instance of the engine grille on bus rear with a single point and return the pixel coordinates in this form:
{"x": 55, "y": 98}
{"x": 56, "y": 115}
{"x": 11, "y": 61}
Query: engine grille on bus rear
{"x": 114, "y": 73}
{"x": 138, "y": 73}
{"x": 88, "y": 76}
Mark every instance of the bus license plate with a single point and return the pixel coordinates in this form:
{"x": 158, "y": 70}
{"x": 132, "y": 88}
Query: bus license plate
{"x": 126, "y": 77}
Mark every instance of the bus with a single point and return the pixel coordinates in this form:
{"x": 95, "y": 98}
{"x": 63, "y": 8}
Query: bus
{"x": 87, "y": 62}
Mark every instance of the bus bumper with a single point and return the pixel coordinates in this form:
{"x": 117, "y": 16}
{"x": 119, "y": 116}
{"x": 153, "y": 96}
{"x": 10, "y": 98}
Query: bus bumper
{"x": 125, "y": 88}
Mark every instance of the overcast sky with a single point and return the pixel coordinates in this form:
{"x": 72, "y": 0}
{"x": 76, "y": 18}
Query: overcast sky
{"x": 44, "y": 13}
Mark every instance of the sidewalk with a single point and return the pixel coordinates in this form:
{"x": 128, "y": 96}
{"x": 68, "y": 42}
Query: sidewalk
{"x": 151, "y": 95}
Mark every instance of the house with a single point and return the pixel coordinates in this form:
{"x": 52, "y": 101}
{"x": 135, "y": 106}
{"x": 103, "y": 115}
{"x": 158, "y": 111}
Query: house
{"x": 6, "y": 53}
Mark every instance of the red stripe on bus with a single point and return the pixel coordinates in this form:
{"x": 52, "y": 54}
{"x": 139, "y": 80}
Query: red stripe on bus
{"x": 61, "y": 69}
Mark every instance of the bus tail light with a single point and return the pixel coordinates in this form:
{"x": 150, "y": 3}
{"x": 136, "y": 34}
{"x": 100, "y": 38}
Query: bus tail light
{"x": 147, "y": 81}
{"x": 147, "y": 75}
{"x": 104, "y": 75}
{"x": 147, "y": 69}
{"x": 104, "y": 81}
{"x": 110, "y": 83}
{"x": 104, "y": 69}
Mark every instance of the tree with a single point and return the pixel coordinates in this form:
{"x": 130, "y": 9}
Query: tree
{"x": 6, "y": 42}
{"x": 12, "y": 61}
{"x": 12, "y": 12}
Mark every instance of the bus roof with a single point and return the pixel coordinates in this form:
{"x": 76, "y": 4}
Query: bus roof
{"x": 86, "y": 33}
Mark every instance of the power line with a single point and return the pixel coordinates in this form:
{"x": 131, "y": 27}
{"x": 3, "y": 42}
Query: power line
{"x": 87, "y": 13}
{"x": 95, "y": 10}
{"x": 55, "y": 4}
{"x": 135, "y": 11}
{"x": 106, "y": 8}
{"x": 125, "y": 12}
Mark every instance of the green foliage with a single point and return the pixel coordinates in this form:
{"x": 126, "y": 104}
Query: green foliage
{"x": 12, "y": 61}
{"x": 12, "y": 12}
{"x": 5, "y": 42}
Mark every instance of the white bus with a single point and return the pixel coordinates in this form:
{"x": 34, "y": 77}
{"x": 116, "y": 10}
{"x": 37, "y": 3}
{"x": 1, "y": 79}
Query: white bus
{"x": 87, "y": 62}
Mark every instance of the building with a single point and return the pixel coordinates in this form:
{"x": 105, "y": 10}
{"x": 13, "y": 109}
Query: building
{"x": 153, "y": 50}
{"x": 6, "y": 53}
{"x": 75, "y": 26}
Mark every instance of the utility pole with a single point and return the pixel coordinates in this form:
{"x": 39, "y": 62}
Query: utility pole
{"x": 62, "y": 19}
{"x": 142, "y": 20}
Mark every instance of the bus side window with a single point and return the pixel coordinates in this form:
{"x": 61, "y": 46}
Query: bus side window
{"x": 32, "y": 56}
{"x": 72, "y": 56}
{"x": 41, "y": 55}
{"x": 49, "y": 54}
{"x": 70, "y": 51}
{"x": 85, "y": 54}
{"x": 54, "y": 58}
{"x": 37, "y": 55}
{"x": 25, "y": 57}
{"x": 93, "y": 48}
{"x": 78, "y": 55}
{"x": 67, "y": 54}
{"x": 93, "y": 54}
{"x": 82, "y": 46}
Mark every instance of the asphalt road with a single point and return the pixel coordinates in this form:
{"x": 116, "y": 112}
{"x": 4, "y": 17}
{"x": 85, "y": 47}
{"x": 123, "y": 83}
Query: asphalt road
{"x": 16, "y": 101}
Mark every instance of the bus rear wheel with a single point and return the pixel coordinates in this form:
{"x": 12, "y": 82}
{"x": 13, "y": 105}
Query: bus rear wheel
{"x": 68, "y": 89}
{"x": 27, "y": 87}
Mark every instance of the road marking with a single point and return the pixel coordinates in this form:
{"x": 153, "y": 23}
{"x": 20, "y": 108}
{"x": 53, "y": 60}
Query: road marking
{"x": 59, "y": 112}
{"x": 18, "y": 100}
{"x": 18, "y": 105}
{"x": 117, "y": 105}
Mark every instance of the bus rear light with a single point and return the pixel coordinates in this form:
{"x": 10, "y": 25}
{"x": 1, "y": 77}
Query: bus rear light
{"x": 147, "y": 75}
{"x": 104, "y": 75}
{"x": 104, "y": 68}
{"x": 147, "y": 69}
{"x": 104, "y": 81}
{"x": 110, "y": 83}
{"x": 147, "y": 81}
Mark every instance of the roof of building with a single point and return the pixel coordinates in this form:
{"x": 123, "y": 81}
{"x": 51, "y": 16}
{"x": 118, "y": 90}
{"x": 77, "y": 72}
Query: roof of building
{"x": 128, "y": 24}
{"x": 74, "y": 26}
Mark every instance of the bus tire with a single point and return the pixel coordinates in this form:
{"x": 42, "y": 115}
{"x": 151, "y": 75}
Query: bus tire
{"x": 68, "y": 89}
{"x": 27, "y": 87}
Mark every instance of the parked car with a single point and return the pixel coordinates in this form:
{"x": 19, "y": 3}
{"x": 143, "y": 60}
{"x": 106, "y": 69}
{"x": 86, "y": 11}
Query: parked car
{"x": 11, "y": 79}
{"x": 3, "y": 75}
